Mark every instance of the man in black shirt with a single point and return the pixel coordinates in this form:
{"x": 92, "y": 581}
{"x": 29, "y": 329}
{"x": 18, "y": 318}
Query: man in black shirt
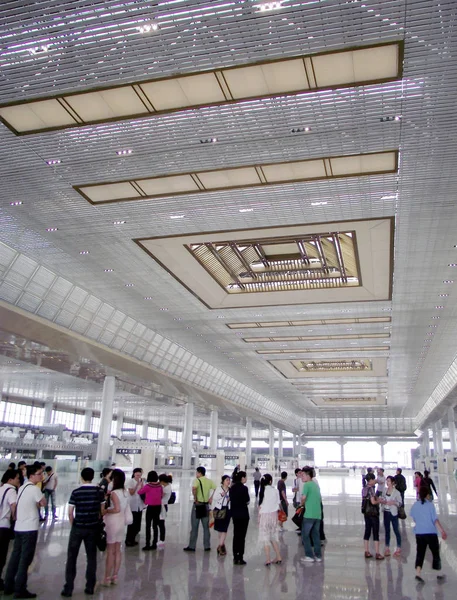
{"x": 400, "y": 484}
{"x": 86, "y": 501}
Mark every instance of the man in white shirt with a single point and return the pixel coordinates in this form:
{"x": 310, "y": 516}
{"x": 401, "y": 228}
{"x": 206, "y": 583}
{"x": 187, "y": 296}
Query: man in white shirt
{"x": 29, "y": 498}
{"x": 8, "y": 495}
{"x": 136, "y": 505}
{"x": 381, "y": 481}
{"x": 49, "y": 488}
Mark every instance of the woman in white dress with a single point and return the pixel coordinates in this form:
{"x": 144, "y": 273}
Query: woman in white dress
{"x": 164, "y": 481}
{"x": 269, "y": 503}
{"x": 116, "y": 518}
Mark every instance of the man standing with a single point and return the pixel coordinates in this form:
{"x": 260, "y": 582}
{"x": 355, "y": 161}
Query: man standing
{"x": 29, "y": 501}
{"x": 202, "y": 491}
{"x": 136, "y": 504}
{"x": 257, "y": 477}
{"x": 86, "y": 501}
{"x": 311, "y": 500}
{"x": 381, "y": 481}
{"x": 49, "y": 488}
{"x": 400, "y": 484}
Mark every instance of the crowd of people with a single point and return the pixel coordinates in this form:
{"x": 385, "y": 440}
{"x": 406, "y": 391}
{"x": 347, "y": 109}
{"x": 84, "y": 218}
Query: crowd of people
{"x": 103, "y": 515}
{"x": 388, "y": 493}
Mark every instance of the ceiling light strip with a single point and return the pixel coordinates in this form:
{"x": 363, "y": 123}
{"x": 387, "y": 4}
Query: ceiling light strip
{"x": 293, "y": 351}
{"x": 363, "y": 65}
{"x": 312, "y": 338}
{"x": 355, "y": 165}
{"x": 300, "y": 323}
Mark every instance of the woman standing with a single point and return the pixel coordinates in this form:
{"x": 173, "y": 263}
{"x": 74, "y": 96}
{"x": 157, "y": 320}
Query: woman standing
{"x": 417, "y": 482}
{"x": 115, "y": 521}
{"x": 221, "y": 501}
{"x": 153, "y": 493}
{"x": 105, "y": 479}
{"x": 391, "y": 501}
{"x": 269, "y": 503}
{"x": 426, "y": 524}
{"x": 164, "y": 481}
{"x": 283, "y": 495}
{"x": 239, "y": 500}
{"x": 370, "y": 509}
{"x": 136, "y": 504}
{"x": 428, "y": 481}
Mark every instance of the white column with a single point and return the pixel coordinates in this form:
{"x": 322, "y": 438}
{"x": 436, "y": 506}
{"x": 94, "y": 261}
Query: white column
{"x": 451, "y": 426}
{"x": 382, "y": 443}
{"x": 48, "y": 412}
{"x": 438, "y": 439}
{"x": 213, "y": 430}
{"x": 295, "y": 446}
{"x": 87, "y": 420}
{"x": 144, "y": 429}
{"x": 248, "y": 441}
{"x": 426, "y": 443}
{"x": 166, "y": 433}
{"x": 187, "y": 435}
{"x": 106, "y": 417}
{"x": 119, "y": 422}
{"x": 342, "y": 444}
{"x": 272, "y": 446}
{"x": 279, "y": 446}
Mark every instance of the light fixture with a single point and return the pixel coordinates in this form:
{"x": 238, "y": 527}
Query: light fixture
{"x": 118, "y": 222}
{"x": 53, "y": 162}
{"x": 129, "y": 284}
{"x": 176, "y": 216}
{"x": 43, "y": 49}
{"x": 51, "y": 229}
{"x": 390, "y": 118}
{"x": 452, "y": 265}
{"x": 84, "y": 252}
{"x": 211, "y": 140}
{"x": 124, "y": 152}
{"x": 392, "y": 197}
{"x": 448, "y": 281}
{"x": 163, "y": 308}
{"x": 439, "y": 307}
{"x": 318, "y": 203}
{"x": 300, "y": 130}
{"x": 108, "y": 270}
{"x": 245, "y": 210}
{"x": 444, "y": 295}
{"x": 147, "y": 27}
{"x": 148, "y": 297}
{"x": 435, "y": 317}
{"x": 269, "y": 6}
{"x": 17, "y": 203}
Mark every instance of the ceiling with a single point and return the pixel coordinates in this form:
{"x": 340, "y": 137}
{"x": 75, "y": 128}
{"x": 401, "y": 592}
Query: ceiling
{"x": 77, "y": 266}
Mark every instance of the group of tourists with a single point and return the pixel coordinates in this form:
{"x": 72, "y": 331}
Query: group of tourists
{"x": 389, "y": 496}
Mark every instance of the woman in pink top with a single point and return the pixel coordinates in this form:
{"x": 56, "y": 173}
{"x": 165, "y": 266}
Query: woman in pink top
{"x": 417, "y": 482}
{"x": 152, "y": 494}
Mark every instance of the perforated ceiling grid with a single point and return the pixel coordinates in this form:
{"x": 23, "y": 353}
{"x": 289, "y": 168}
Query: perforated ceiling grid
{"x": 89, "y": 46}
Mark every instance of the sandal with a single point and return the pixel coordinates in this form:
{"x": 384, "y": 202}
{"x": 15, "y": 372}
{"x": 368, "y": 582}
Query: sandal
{"x": 114, "y": 580}
{"x": 267, "y": 564}
{"x": 107, "y": 581}
{"x": 368, "y": 555}
{"x": 387, "y": 552}
{"x": 379, "y": 556}
{"x": 397, "y": 552}
{"x": 277, "y": 561}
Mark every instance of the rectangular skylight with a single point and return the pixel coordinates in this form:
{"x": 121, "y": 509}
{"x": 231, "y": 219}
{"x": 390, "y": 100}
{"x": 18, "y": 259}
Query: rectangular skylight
{"x": 319, "y": 350}
{"x": 369, "y": 64}
{"x": 241, "y": 177}
{"x": 315, "y": 338}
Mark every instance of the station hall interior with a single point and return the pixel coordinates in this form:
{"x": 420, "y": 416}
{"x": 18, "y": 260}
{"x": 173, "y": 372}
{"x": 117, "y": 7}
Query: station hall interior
{"x": 228, "y": 237}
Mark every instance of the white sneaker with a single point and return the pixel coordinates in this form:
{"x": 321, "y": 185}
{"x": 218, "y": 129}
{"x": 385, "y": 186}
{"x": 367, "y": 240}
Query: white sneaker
{"x": 160, "y": 544}
{"x": 318, "y": 559}
{"x": 307, "y": 559}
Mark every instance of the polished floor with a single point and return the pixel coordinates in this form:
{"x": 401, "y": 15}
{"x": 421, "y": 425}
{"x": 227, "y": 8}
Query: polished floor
{"x": 171, "y": 574}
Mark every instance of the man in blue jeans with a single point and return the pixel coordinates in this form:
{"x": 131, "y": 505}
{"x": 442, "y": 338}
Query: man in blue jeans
{"x": 86, "y": 501}
{"x": 29, "y": 501}
{"x": 202, "y": 491}
{"x": 312, "y": 501}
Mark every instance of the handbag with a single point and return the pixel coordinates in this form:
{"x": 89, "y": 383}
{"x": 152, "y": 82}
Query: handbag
{"x": 298, "y": 516}
{"x": 11, "y": 528}
{"x": 282, "y": 517}
{"x": 402, "y": 513}
{"x": 369, "y": 509}
{"x": 128, "y": 515}
{"x": 221, "y": 513}
{"x": 100, "y": 537}
{"x": 201, "y": 508}
{"x": 172, "y": 498}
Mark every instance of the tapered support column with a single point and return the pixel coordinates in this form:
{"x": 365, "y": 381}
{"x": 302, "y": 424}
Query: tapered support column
{"x": 248, "y": 441}
{"x": 47, "y": 419}
{"x": 213, "y": 427}
{"x": 144, "y": 429}
{"x": 87, "y": 420}
{"x": 272, "y": 446}
{"x": 187, "y": 435}
{"x": 425, "y": 445}
{"x": 279, "y": 446}
{"x": 438, "y": 439}
{"x": 451, "y": 427}
{"x": 106, "y": 417}
{"x": 382, "y": 443}
{"x": 119, "y": 422}
{"x": 342, "y": 443}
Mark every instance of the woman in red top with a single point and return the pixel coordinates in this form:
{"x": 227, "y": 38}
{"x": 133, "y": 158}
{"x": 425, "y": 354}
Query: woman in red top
{"x": 152, "y": 493}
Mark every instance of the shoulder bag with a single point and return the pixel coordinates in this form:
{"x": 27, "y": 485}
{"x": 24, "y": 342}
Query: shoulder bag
{"x": 201, "y": 508}
{"x": 298, "y": 516}
{"x": 128, "y": 515}
{"x": 402, "y": 513}
{"x": 221, "y": 513}
{"x": 172, "y": 498}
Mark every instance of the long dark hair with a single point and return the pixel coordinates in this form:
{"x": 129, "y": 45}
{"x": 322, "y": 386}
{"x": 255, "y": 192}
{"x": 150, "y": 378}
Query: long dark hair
{"x": 118, "y": 479}
{"x": 267, "y": 479}
{"x": 237, "y": 477}
{"x": 423, "y": 493}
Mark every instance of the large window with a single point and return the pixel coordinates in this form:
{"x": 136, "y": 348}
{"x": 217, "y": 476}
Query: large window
{"x": 22, "y": 414}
